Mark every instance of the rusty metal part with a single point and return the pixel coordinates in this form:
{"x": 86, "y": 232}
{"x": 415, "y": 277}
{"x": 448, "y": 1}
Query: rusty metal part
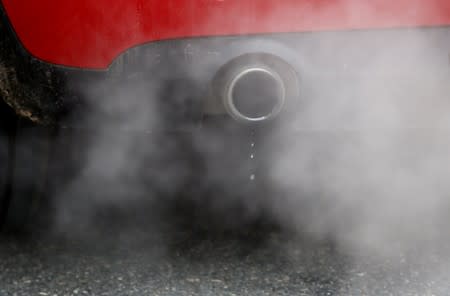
{"x": 13, "y": 94}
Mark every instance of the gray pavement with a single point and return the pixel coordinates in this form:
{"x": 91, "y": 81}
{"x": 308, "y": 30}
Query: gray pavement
{"x": 179, "y": 260}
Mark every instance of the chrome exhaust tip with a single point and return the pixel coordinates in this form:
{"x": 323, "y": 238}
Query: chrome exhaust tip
{"x": 255, "y": 95}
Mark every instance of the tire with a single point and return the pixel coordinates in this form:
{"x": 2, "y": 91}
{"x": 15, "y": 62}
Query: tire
{"x": 6, "y": 122}
{"x": 24, "y": 155}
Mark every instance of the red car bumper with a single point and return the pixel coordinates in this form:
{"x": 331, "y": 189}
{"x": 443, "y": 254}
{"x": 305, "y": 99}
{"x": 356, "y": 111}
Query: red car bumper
{"x": 92, "y": 34}
{"x": 333, "y": 55}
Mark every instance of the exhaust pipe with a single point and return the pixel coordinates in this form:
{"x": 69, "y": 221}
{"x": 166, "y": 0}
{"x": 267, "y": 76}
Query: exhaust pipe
{"x": 254, "y": 95}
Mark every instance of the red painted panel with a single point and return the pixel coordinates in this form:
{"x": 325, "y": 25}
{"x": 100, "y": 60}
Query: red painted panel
{"x": 91, "y": 33}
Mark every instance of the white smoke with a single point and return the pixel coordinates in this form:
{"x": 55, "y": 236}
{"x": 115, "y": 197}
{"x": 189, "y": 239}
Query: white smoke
{"x": 365, "y": 162}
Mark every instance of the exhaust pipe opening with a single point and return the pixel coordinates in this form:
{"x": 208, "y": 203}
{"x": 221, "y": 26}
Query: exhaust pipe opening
{"x": 255, "y": 95}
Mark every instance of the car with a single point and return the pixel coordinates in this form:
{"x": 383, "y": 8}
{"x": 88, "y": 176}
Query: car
{"x": 196, "y": 66}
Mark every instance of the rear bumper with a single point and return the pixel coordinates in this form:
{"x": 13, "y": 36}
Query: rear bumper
{"x": 341, "y": 73}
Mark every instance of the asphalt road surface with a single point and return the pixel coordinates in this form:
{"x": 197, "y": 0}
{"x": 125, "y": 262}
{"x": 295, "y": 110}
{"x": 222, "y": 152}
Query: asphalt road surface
{"x": 181, "y": 259}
